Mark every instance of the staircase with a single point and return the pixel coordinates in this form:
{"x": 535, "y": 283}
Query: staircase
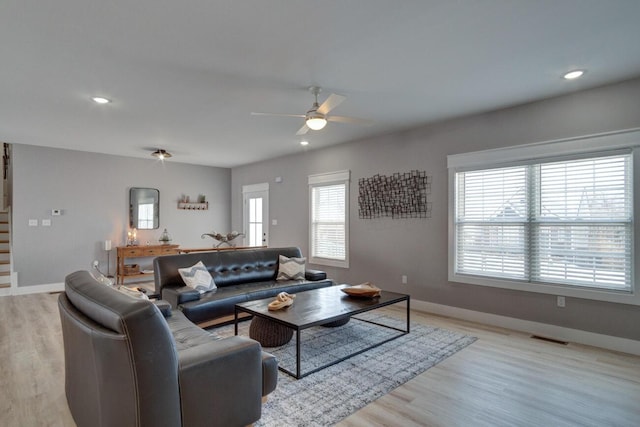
{"x": 5, "y": 251}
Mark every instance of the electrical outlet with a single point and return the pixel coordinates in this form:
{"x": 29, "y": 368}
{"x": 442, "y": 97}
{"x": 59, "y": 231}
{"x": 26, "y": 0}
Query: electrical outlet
{"x": 95, "y": 263}
{"x": 404, "y": 279}
{"x": 561, "y": 301}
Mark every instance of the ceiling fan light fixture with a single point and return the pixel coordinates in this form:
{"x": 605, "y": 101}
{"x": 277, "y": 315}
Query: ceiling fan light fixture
{"x": 316, "y": 123}
{"x": 161, "y": 154}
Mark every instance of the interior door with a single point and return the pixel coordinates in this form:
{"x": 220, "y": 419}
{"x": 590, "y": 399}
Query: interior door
{"x": 255, "y": 208}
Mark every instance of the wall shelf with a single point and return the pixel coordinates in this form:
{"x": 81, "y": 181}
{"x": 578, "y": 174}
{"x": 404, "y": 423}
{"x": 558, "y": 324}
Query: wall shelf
{"x": 193, "y": 206}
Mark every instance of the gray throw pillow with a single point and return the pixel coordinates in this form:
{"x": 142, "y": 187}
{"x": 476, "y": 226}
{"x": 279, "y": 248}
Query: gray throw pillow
{"x": 291, "y": 268}
{"x": 197, "y": 277}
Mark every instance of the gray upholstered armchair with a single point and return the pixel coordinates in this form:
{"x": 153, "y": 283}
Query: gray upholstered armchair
{"x": 128, "y": 365}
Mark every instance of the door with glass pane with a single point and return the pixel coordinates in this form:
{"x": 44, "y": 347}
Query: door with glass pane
{"x": 255, "y": 200}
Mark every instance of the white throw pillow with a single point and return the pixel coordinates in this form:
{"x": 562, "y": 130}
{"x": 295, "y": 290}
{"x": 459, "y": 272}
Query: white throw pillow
{"x": 132, "y": 293}
{"x": 197, "y": 277}
{"x": 291, "y": 268}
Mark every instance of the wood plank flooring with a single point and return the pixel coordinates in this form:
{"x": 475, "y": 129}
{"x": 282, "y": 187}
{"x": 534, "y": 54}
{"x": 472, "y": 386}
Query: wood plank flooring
{"x": 505, "y": 378}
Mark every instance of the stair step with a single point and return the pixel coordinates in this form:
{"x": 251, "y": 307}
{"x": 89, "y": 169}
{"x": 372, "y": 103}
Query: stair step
{"x": 5, "y": 273}
{"x": 5, "y": 251}
{"x": 5, "y": 285}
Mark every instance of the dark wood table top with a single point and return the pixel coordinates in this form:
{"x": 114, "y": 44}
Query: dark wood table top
{"x": 318, "y": 306}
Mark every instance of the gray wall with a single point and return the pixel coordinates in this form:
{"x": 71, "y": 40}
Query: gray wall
{"x": 93, "y": 192}
{"x": 381, "y": 250}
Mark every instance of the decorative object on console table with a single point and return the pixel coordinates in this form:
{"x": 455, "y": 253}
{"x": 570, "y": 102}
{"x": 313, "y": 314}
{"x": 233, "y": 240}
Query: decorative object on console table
{"x": 132, "y": 237}
{"x": 124, "y": 252}
{"x": 223, "y": 238}
{"x": 164, "y": 237}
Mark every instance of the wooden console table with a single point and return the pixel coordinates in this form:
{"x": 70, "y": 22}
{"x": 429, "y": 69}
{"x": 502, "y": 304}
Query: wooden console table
{"x": 124, "y": 252}
{"x": 224, "y": 248}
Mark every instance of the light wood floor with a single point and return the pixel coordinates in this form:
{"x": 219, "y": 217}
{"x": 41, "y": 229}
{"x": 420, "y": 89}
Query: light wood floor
{"x": 505, "y": 378}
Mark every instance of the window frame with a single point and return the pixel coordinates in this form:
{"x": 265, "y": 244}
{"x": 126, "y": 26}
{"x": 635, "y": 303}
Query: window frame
{"x": 565, "y": 149}
{"x": 322, "y": 180}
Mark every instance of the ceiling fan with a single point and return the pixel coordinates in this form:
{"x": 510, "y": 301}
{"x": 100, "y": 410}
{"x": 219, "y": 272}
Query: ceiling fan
{"x": 317, "y": 117}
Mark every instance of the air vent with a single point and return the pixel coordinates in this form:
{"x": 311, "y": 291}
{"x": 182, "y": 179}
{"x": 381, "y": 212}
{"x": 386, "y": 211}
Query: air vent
{"x": 538, "y": 337}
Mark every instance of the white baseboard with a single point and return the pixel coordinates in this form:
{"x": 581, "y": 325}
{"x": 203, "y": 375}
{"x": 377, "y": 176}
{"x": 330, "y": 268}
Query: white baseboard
{"x": 36, "y": 289}
{"x": 608, "y": 342}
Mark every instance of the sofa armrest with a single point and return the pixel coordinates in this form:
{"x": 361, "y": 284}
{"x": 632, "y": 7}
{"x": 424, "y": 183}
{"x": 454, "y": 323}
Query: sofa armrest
{"x": 177, "y": 296}
{"x": 315, "y": 275}
{"x": 224, "y": 374}
{"x": 164, "y": 307}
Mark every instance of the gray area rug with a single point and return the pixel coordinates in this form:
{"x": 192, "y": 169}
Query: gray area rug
{"x": 330, "y": 395}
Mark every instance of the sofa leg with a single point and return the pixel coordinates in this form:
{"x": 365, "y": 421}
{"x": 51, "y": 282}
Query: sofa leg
{"x": 264, "y": 399}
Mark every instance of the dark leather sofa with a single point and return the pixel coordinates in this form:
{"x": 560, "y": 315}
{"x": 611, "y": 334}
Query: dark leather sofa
{"x": 240, "y": 275}
{"x": 126, "y": 364}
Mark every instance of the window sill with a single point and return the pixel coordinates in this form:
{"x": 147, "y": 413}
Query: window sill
{"x": 329, "y": 262}
{"x": 620, "y": 297}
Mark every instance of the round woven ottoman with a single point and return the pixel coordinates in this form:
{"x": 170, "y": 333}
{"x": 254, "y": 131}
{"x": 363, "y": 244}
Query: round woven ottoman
{"x": 336, "y": 323}
{"x": 268, "y": 333}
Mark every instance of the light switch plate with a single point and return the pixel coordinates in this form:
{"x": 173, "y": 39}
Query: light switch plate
{"x": 46, "y": 222}
{"x": 33, "y": 223}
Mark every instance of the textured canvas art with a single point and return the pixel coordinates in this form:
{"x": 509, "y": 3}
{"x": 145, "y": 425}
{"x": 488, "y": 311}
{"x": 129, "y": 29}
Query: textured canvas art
{"x": 401, "y": 195}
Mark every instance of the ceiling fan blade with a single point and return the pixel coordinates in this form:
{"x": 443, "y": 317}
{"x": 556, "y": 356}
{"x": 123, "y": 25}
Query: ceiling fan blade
{"x": 303, "y": 130}
{"x": 352, "y": 120}
{"x": 332, "y": 102}
{"x": 277, "y": 115}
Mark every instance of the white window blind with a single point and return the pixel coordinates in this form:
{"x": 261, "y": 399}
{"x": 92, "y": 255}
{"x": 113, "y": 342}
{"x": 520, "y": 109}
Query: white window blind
{"x": 491, "y": 222}
{"x": 328, "y": 218}
{"x": 558, "y": 222}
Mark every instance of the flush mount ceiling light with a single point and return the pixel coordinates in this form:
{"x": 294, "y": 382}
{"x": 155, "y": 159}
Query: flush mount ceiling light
{"x": 161, "y": 154}
{"x": 304, "y": 142}
{"x": 100, "y": 100}
{"x": 572, "y": 75}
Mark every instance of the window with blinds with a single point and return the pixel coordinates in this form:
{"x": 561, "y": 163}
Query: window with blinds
{"x": 328, "y": 226}
{"x": 567, "y": 222}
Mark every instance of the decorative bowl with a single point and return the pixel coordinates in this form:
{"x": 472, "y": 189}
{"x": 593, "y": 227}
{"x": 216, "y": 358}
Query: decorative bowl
{"x": 363, "y": 290}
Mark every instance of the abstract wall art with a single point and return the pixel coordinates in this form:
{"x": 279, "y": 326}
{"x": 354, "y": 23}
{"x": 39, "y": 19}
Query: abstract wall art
{"x": 401, "y": 195}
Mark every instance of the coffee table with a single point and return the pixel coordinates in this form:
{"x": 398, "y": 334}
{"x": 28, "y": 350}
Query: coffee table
{"x": 321, "y": 306}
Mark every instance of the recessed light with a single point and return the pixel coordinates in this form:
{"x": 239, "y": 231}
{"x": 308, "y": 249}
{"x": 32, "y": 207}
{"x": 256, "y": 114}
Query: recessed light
{"x": 304, "y": 142}
{"x": 100, "y": 100}
{"x": 571, "y": 75}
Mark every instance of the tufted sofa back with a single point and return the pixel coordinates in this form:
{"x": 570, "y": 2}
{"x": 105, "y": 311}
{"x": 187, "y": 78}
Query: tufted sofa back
{"x": 228, "y": 267}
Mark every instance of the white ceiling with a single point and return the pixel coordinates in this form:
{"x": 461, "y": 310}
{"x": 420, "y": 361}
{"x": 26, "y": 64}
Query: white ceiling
{"x": 185, "y": 75}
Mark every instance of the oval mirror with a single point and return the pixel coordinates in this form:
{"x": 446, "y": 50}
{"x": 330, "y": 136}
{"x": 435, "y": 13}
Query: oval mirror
{"x": 144, "y": 208}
